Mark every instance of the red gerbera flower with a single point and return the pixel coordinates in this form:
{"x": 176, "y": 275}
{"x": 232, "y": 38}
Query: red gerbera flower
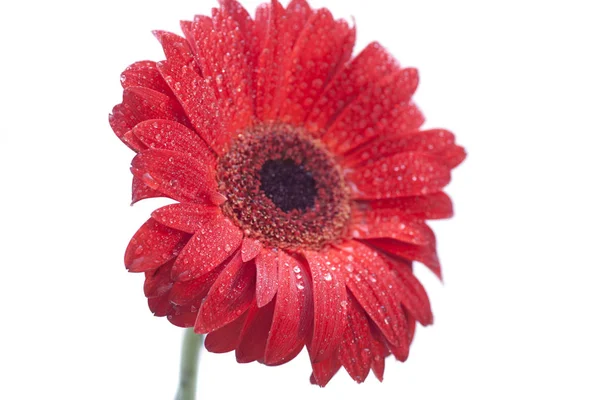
{"x": 302, "y": 181}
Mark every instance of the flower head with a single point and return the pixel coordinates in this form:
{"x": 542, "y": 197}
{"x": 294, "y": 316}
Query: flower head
{"x": 302, "y": 182}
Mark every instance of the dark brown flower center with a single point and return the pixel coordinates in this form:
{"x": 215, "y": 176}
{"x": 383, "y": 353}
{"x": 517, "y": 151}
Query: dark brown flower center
{"x": 289, "y": 185}
{"x": 284, "y": 188}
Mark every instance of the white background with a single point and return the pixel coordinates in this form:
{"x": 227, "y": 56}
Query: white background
{"x": 517, "y": 317}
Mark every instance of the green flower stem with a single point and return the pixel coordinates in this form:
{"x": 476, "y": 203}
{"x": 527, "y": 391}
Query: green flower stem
{"x": 188, "y": 373}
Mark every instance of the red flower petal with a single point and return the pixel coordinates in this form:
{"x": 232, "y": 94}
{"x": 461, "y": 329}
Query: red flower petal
{"x": 186, "y": 217}
{"x": 198, "y": 101}
{"x": 194, "y": 31}
{"x": 250, "y": 249}
{"x": 169, "y": 135}
{"x": 439, "y": 142}
{"x": 189, "y": 292}
{"x": 380, "y": 351}
{"x": 140, "y": 104}
{"x": 412, "y": 326}
{"x": 177, "y": 50}
{"x": 159, "y": 306}
{"x": 329, "y": 307}
{"x": 158, "y": 282}
{"x": 226, "y": 338}
{"x": 346, "y": 40}
{"x": 424, "y": 254}
{"x": 144, "y": 74}
{"x": 403, "y": 174}
{"x": 452, "y": 155}
{"x": 284, "y": 28}
{"x": 227, "y": 58}
{"x": 233, "y": 9}
{"x": 383, "y": 108}
{"x": 375, "y": 224}
{"x": 401, "y": 350}
{"x": 261, "y": 23}
{"x": 293, "y": 311}
{"x": 319, "y": 51}
{"x": 133, "y": 142}
{"x": 369, "y": 279}
{"x": 141, "y": 191}
{"x": 247, "y": 29}
{"x": 267, "y": 263}
{"x": 187, "y": 27}
{"x": 433, "y": 206}
{"x": 230, "y": 296}
{"x": 325, "y": 370}
{"x": 234, "y": 57}
{"x": 182, "y": 318}
{"x": 298, "y": 12}
{"x": 143, "y": 103}
{"x": 152, "y": 246}
{"x": 369, "y": 67}
{"x": 214, "y": 241}
{"x": 291, "y": 355}
{"x": 275, "y": 51}
{"x": 355, "y": 350}
{"x": 176, "y": 175}
{"x": 255, "y": 333}
{"x": 412, "y": 294}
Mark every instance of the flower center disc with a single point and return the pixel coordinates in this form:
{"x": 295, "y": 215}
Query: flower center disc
{"x": 284, "y": 188}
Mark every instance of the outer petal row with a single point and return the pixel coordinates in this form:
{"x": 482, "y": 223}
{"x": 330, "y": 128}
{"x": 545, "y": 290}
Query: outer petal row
{"x": 222, "y": 300}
